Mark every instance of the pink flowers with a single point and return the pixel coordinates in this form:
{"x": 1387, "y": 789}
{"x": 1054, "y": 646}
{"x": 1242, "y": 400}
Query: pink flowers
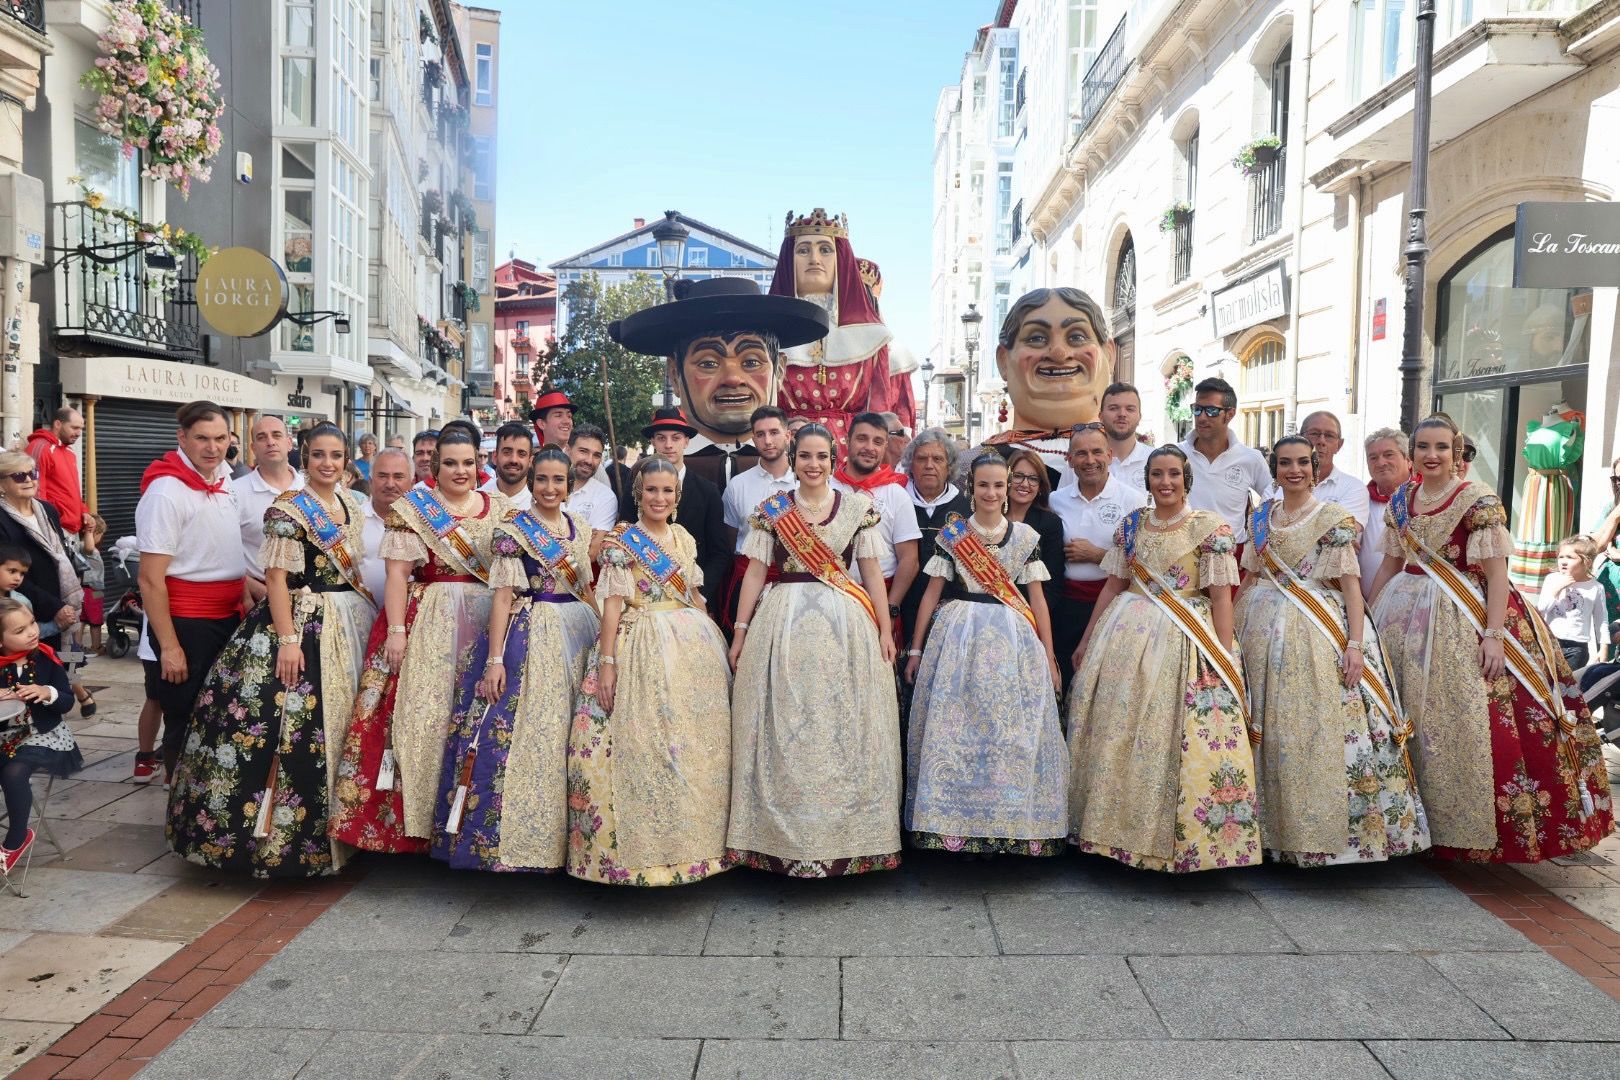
{"x": 159, "y": 92}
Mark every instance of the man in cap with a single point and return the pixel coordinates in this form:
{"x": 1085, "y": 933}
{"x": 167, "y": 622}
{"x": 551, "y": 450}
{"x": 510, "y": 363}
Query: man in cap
{"x": 726, "y": 339}
{"x": 553, "y": 417}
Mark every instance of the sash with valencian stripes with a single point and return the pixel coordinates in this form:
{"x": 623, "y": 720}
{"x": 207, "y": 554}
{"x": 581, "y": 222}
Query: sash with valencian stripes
{"x": 1197, "y": 630}
{"x": 328, "y": 536}
{"x": 453, "y": 546}
{"x": 549, "y": 552}
{"x": 1322, "y": 613}
{"x": 1534, "y": 674}
{"x": 806, "y": 545}
{"x": 653, "y": 559}
{"x": 969, "y": 549}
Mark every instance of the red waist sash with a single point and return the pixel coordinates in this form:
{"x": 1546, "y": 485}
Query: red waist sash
{"x": 204, "y": 599}
{"x": 432, "y": 575}
{"x": 1083, "y": 592}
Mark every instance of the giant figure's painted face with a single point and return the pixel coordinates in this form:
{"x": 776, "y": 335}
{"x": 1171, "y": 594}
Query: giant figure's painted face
{"x": 815, "y": 265}
{"x": 724, "y": 378}
{"x": 1056, "y": 368}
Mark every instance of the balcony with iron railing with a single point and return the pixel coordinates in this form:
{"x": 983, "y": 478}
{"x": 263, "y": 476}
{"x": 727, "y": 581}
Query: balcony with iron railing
{"x": 1181, "y": 262}
{"x": 117, "y": 286}
{"x": 31, "y": 13}
{"x": 1102, "y": 77}
{"x": 521, "y": 341}
{"x": 1266, "y": 197}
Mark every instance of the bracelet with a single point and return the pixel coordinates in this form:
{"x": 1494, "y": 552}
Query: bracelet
{"x": 1356, "y": 645}
{"x": 913, "y": 652}
{"x": 396, "y": 629}
{"x": 614, "y": 660}
{"x": 739, "y": 626}
{"x": 492, "y": 662}
{"x": 289, "y": 639}
{"x": 1498, "y": 634}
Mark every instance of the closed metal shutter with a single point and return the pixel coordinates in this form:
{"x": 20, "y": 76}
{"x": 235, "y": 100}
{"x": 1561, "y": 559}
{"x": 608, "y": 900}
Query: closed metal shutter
{"x": 130, "y": 435}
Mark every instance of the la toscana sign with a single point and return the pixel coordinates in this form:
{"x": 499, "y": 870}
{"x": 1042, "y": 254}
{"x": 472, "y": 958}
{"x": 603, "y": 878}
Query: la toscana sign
{"x": 1568, "y": 245}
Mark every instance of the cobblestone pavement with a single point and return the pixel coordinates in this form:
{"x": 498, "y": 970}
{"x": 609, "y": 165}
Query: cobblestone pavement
{"x": 1073, "y": 967}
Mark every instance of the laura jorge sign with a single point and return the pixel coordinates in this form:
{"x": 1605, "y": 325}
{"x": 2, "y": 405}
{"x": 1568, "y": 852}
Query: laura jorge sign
{"x": 242, "y": 292}
{"x": 1256, "y": 299}
{"x": 1566, "y": 245}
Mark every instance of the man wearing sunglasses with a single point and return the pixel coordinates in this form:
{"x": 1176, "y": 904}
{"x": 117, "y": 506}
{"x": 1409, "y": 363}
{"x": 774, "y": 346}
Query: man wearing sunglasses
{"x": 1224, "y": 470}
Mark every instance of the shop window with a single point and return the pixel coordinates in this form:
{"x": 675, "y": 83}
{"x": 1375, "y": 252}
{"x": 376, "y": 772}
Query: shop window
{"x": 1261, "y": 421}
{"x": 1123, "y": 316}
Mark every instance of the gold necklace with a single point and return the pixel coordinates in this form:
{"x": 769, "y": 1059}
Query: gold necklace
{"x": 1282, "y": 519}
{"x": 992, "y": 532}
{"x": 662, "y": 541}
{"x": 815, "y": 510}
{"x": 1154, "y": 521}
{"x": 464, "y": 508}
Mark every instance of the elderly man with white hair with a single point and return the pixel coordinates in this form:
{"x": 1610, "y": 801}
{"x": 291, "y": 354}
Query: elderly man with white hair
{"x": 1390, "y": 467}
{"x": 899, "y": 439}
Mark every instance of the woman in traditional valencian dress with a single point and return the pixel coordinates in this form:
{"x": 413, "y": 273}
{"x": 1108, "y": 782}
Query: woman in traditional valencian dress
{"x": 986, "y": 768}
{"x": 815, "y": 788}
{"x": 435, "y": 608}
{"x": 505, "y": 772}
{"x": 1334, "y": 781}
{"x": 1508, "y": 762}
{"x": 649, "y": 755}
{"x": 252, "y": 791}
{"x": 1163, "y": 776}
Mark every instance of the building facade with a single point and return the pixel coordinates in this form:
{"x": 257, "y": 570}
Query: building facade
{"x": 479, "y": 30}
{"x": 525, "y": 325}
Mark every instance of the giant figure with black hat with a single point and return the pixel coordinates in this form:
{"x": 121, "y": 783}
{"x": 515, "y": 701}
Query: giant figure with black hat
{"x": 726, "y": 339}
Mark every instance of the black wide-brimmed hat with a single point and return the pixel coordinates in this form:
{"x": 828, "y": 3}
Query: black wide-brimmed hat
{"x": 724, "y": 305}
{"x": 669, "y": 418}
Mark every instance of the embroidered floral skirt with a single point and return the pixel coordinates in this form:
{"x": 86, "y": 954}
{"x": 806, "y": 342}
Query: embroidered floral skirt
{"x": 1333, "y": 784}
{"x": 246, "y": 720}
{"x": 515, "y": 811}
{"x": 986, "y": 767}
{"x": 1497, "y": 780}
{"x": 649, "y": 784}
{"x": 1162, "y": 774}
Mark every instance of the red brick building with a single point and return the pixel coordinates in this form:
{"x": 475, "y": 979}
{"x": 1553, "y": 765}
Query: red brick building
{"x": 525, "y": 315}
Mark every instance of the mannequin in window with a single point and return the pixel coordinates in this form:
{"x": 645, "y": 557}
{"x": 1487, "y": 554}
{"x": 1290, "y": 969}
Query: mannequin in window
{"x": 1552, "y": 447}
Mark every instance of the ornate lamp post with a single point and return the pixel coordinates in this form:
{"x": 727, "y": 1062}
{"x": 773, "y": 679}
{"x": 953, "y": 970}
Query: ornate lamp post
{"x": 1417, "y": 230}
{"x": 670, "y": 236}
{"x": 970, "y": 341}
{"x": 927, "y": 370}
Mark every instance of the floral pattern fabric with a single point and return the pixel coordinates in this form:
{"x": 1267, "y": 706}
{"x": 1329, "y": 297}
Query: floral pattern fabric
{"x": 987, "y": 770}
{"x": 1333, "y": 783}
{"x": 1498, "y": 783}
{"x": 1162, "y": 772}
{"x": 648, "y": 784}
{"x": 246, "y": 722}
{"x": 515, "y": 808}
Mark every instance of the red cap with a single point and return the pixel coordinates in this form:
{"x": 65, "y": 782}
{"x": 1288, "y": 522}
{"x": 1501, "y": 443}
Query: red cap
{"x": 555, "y": 399}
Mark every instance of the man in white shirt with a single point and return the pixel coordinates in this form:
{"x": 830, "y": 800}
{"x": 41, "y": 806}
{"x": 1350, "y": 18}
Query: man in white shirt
{"x": 592, "y": 497}
{"x": 391, "y": 473}
{"x": 1121, "y": 415}
{"x": 749, "y": 488}
{"x": 1091, "y": 509}
{"x": 1390, "y": 467}
{"x": 1332, "y": 485}
{"x": 514, "y": 448}
{"x": 865, "y": 470}
{"x": 257, "y": 489}
{"x": 192, "y": 568}
{"x": 422, "y": 456}
{"x": 1224, "y": 470}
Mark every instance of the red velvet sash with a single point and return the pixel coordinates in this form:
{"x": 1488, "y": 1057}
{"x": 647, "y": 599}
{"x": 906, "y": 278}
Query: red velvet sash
{"x": 204, "y": 599}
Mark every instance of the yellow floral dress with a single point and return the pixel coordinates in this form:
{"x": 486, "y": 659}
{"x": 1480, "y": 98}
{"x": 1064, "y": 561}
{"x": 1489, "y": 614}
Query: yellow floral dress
{"x": 1162, "y": 776}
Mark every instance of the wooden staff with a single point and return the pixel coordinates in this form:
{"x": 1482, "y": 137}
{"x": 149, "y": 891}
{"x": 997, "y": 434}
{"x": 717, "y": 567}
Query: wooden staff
{"x": 464, "y": 777}
{"x": 613, "y": 440}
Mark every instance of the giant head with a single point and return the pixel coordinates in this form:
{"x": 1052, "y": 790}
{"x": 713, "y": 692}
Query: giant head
{"x": 1057, "y": 358}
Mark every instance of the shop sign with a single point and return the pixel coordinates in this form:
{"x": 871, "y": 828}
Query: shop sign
{"x": 242, "y": 292}
{"x": 1258, "y": 298}
{"x": 1566, "y": 245}
{"x": 163, "y": 381}
{"x": 1380, "y": 326}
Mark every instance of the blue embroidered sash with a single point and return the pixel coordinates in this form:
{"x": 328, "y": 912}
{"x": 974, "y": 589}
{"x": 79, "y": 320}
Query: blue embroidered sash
{"x": 453, "y": 543}
{"x": 653, "y": 559}
{"x": 327, "y": 535}
{"x": 549, "y": 551}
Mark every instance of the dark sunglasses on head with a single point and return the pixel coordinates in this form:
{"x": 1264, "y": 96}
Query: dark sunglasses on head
{"x": 1095, "y": 425}
{"x": 23, "y": 477}
{"x": 1210, "y": 411}
{"x": 899, "y": 434}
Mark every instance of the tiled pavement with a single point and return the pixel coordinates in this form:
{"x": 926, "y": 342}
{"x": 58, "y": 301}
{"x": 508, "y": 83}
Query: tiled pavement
{"x": 1067, "y": 968}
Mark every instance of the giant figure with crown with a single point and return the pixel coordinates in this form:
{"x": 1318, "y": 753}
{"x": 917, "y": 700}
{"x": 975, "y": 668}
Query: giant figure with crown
{"x": 846, "y": 373}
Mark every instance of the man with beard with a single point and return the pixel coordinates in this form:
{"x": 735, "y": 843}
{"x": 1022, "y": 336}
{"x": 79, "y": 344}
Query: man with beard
{"x": 591, "y": 496}
{"x": 750, "y": 488}
{"x": 1127, "y": 453}
{"x": 514, "y": 447}
{"x": 864, "y": 469}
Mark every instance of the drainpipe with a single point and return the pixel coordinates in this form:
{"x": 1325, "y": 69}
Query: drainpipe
{"x": 1352, "y": 381}
{"x": 1300, "y": 92}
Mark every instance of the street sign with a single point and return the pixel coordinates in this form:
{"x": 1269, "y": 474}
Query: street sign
{"x": 1566, "y": 245}
{"x": 1380, "y": 325}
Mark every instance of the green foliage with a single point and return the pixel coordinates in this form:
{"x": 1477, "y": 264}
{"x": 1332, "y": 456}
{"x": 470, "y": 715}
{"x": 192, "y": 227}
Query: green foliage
{"x": 574, "y": 365}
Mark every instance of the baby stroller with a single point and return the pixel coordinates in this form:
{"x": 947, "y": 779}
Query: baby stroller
{"x": 1600, "y": 685}
{"x": 124, "y": 615}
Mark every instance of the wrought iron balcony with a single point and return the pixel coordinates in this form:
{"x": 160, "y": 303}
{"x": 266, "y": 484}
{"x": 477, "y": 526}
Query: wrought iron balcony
{"x": 191, "y": 9}
{"x": 1102, "y": 77}
{"x": 1181, "y": 269}
{"x": 31, "y": 13}
{"x": 1266, "y": 197}
{"x": 521, "y": 341}
{"x": 109, "y": 293}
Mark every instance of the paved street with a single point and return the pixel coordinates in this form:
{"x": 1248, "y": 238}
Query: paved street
{"x": 1064, "y": 968}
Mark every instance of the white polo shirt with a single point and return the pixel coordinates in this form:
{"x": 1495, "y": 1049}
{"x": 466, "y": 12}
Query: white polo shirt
{"x": 254, "y": 496}
{"x": 746, "y": 491}
{"x": 1093, "y": 520}
{"x": 201, "y": 533}
{"x": 1341, "y": 488}
{"x": 593, "y": 500}
{"x": 373, "y": 568}
{"x": 899, "y": 524}
{"x": 523, "y": 500}
{"x": 1372, "y": 542}
{"x": 1223, "y": 485}
{"x": 1133, "y": 470}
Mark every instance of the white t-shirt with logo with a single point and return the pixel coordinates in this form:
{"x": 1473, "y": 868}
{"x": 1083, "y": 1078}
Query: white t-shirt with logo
{"x": 1094, "y": 520}
{"x": 1223, "y": 485}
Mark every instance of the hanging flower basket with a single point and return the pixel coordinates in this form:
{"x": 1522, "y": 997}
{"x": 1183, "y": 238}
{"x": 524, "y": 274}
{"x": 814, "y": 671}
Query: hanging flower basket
{"x": 162, "y": 235}
{"x": 1178, "y": 387}
{"x": 1257, "y": 154}
{"x": 159, "y": 92}
{"x": 1178, "y": 213}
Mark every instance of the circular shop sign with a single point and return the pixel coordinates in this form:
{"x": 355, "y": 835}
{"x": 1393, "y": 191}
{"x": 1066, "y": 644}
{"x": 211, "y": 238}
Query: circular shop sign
{"x": 242, "y": 292}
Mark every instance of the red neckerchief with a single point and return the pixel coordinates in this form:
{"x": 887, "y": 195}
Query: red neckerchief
{"x": 171, "y": 464}
{"x": 17, "y": 658}
{"x": 876, "y": 479}
{"x": 1372, "y": 493}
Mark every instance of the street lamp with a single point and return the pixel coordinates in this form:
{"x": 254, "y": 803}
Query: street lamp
{"x": 970, "y": 340}
{"x": 670, "y": 236}
{"x": 1416, "y": 252}
{"x": 927, "y": 370}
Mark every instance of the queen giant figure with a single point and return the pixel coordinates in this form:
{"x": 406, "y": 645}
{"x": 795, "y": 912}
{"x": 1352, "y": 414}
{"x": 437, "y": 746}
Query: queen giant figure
{"x": 831, "y": 380}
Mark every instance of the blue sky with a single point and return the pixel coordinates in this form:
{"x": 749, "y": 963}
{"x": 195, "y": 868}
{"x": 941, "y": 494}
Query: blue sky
{"x": 766, "y": 106}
